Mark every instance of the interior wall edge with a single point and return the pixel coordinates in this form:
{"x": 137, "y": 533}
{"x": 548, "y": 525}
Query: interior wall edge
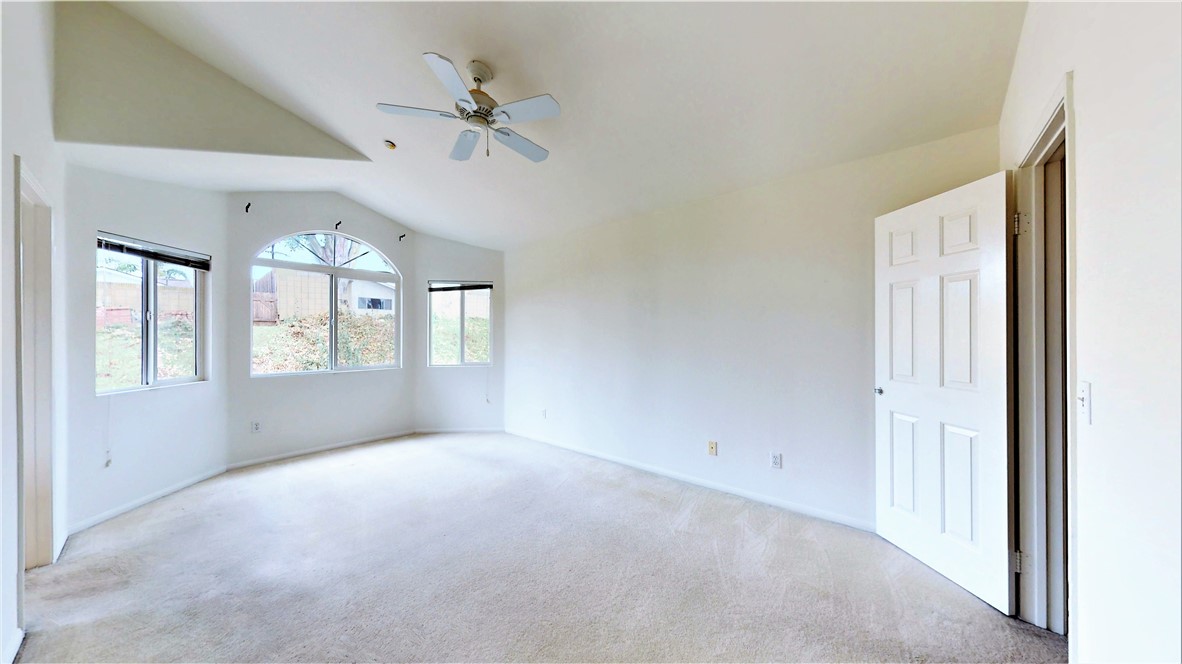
{"x": 16, "y": 640}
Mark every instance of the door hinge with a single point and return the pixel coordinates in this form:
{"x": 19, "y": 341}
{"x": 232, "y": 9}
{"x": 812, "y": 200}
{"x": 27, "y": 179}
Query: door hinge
{"x": 1017, "y": 218}
{"x": 1017, "y": 558}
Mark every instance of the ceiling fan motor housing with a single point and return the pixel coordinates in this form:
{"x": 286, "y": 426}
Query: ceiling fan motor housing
{"x": 482, "y": 116}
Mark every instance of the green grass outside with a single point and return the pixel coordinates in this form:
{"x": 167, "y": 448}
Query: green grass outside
{"x": 118, "y": 354}
{"x": 445, "y": 340}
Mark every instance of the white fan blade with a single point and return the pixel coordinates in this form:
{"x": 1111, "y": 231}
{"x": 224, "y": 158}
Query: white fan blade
{"x": 465, "y": 144}
{"x": 521, "y": 145}
{"x": 451, "y": 80}
{"x": 527, "y": 110}
{"x": 394, "y": 109}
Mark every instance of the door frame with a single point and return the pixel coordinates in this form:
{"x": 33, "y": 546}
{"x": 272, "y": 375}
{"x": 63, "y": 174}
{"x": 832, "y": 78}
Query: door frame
{"x": 34, "y": 235}
{"x": 1033, "y": 528}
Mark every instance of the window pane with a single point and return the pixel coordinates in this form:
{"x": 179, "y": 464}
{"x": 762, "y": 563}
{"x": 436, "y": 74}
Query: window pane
{"x": 289, "y": 313}
{"x": 476, "y": 308}
{"x": 176, "y": 321}
{"x": 370, "y": 260}
{"x": 366, "y": 323}
{"x": 311, "y": 248}
{"x": 327, "y": 249}
{"x": 118, "y": 320}
{"x": 445, "y": 327}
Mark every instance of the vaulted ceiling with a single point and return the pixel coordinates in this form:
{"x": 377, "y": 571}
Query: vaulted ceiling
{"x": 661, "y": 103}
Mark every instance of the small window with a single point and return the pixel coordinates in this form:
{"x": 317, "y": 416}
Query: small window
{"x": 323, "y": 302}
{"x": 461, "y": 323}
{"x": 147, "y": 314}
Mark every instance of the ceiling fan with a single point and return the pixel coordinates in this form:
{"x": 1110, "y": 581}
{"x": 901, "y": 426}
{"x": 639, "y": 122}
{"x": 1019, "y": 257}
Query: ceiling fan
{"x": 481, "y": 112}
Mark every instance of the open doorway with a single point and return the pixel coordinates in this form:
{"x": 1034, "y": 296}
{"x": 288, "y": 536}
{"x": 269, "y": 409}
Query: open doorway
{"x": 34, "y": 372}
{"x": 1044, "y": 398}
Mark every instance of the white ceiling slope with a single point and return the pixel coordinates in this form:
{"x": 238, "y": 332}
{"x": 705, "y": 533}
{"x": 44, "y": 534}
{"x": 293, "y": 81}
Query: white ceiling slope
{"x": 116, "y": 82}
{"x": 661, "y": 103}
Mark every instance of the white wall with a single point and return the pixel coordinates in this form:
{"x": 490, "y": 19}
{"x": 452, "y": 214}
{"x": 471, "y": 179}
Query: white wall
{"x": 745, "y": 318}
{"x": 163, "y": 438}
{"x": 27, "y": 132}
{"x": 1127, "y": 64}
{"x": 458, "y": 398}
{"x": 304, "y": 412}
{"x": 166, "y": 438}
{"x": 120, "y": 83}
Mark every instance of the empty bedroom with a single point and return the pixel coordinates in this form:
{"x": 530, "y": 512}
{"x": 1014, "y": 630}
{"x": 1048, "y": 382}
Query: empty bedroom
{"x": 591, "y": 331}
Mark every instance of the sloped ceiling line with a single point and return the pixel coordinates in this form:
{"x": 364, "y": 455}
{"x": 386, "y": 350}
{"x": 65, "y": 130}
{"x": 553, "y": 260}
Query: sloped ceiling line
{"x": 117, "y": 82}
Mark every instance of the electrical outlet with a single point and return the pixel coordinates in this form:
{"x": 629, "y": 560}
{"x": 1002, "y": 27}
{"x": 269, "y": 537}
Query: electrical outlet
{"x": 256, "y": 426}
{"x": 777, "y": 460}
{"x": 712, "y": 448}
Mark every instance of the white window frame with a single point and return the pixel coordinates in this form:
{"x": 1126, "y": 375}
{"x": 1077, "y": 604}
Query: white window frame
{"x": 334, "y": 273}
{"x": 148, "y": 328}
{"x": 430, "y": 330}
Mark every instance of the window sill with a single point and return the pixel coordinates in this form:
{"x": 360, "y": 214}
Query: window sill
{"x": 150, "y": 388}
{"x": 467, "y": 365}
{"x": 327, "y": 372}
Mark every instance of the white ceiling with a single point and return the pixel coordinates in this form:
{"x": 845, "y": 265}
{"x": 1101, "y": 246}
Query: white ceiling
{"x": 661, "y": 103}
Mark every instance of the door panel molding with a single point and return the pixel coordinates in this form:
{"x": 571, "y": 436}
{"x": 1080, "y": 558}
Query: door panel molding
{"x": 956, "y": 398}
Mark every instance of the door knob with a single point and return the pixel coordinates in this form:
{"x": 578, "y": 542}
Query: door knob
{"x": 878, "y": 391}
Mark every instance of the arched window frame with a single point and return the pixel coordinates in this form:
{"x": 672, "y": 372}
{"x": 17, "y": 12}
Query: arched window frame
{"x": 334, "y": 274}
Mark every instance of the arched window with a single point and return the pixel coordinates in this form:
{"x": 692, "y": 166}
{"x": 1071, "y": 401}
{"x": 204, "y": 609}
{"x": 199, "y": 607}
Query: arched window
{"x": 323, "y": 302}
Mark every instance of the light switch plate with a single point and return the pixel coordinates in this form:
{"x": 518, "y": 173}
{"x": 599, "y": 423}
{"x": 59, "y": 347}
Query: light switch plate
{"x": 1083, "y": 399}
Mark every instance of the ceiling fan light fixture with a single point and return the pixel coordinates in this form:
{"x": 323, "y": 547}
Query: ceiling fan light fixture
{"x": 480, "y": 111}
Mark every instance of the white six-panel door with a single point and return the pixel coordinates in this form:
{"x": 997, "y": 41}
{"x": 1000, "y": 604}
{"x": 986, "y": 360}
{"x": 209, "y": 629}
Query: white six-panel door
{"x": 942, "y": 421}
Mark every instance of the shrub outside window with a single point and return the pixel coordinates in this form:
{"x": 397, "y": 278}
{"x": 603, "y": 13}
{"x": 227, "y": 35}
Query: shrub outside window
{"x": 461, "y": 323}
{"x": 323, "y": 302}
{"x": 147, "y": 328}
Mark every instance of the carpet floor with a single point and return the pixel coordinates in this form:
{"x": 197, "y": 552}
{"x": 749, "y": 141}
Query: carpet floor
{"x": 489, "y": 547}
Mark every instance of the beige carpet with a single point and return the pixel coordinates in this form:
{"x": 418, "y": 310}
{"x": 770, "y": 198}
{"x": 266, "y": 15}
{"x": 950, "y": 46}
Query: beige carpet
{"x": 494, "y": 548}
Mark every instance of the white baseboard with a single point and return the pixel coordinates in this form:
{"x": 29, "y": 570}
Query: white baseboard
{"x": 474, "y": 430}
{"x": 143, "y": 500}
{"x": 799, "y": 508}
{"x": 314, "y": 450}
{"x": 79, "y": 526}
{"x": 349, "y": 443}
{"x": 14, "y": 646}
